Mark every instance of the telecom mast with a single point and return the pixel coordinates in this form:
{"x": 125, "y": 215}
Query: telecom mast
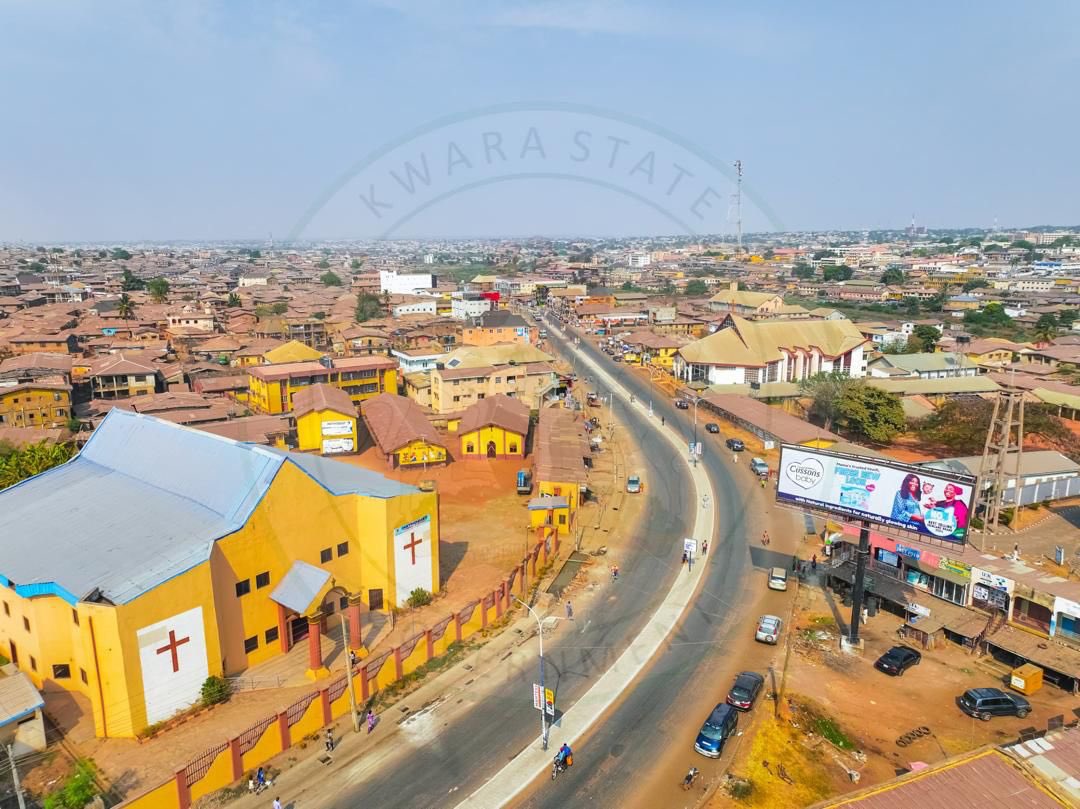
{"x": 738, "y": 205}
{"x": 1001, "y": 460}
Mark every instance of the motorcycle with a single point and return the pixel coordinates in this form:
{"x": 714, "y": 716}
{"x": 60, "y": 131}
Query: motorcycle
{"x": 691, "y": 776}
{"x": 559, "y": 766}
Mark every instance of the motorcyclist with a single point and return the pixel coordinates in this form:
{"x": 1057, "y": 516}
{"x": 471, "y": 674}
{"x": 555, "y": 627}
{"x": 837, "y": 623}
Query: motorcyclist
{"x": 690, "y": 776}
{"x": 564, "y": 756}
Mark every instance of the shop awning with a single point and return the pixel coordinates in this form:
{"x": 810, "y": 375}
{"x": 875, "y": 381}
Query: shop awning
{"x": 933, "y": 570}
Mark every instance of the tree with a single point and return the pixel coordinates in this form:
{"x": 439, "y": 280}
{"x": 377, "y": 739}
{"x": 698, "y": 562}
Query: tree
{"x": 892, "y": 276}
{"x": 323, "y": 265}
{"x": 368, "y": 307}
{"x": 129, "y": 282}
{"x": 993, "y": 314}
{"x": 158, "y": 289}
{"x": 871, "y": 413}
{"x": 841, "y": 272}
{"x": 825, "y": 390}
{"x": 927, "y": 336}
{"x": 33, "y": 459}
{"x": 330, "y": 279}
{"x": 78, "y": 790}
{"x": 696, "y": 287}
{"x": 36, "y": 266}
{"x": 120, "y": 254}
{"x": 279, "y": 308}
{"x": 804, "y": 271}
{"x": 354, "y": 264}
{"x": 960, "y": 427}
{"x": 1046, "y": 327}
{"x": 125, "y": 307}
{"x": 911, "y": 307}
{"x": 233, "y": 300}
{"x": 1067, "y": 317}
{"x": 975, "y": 283}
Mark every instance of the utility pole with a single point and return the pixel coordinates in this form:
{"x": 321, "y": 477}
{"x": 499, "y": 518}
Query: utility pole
{"x": 858, "y": 585}
{"x": 348, "y": 674}
{"x": 543, "y": 692}
{"x": 15, "y": 778}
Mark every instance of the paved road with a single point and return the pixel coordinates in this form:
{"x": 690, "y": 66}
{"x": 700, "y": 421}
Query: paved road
{"x": 462, "y": 754}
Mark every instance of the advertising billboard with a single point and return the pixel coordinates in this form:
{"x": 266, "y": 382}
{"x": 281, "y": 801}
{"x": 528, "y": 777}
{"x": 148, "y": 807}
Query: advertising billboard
{"x": 929, "y": 502}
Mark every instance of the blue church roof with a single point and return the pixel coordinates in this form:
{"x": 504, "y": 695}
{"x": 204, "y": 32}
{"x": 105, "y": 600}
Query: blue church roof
{"x": 143, "y": 502}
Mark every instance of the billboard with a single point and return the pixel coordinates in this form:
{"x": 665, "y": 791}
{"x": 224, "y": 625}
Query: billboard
{"x": 929, "y": 502}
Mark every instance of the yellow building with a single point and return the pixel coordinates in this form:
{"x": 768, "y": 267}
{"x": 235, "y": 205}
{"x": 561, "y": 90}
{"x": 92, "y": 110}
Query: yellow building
{"x": 402, "y": 433}
{"x": 325, "y": 420}
{"x": 41, "y": 403}
{"x": 292, "y": 351}
{"x": 562, "y": 448}
{"x": 160, "y": 555}
{"x": 272, "y": 387}
{"x": 495, "y": 427}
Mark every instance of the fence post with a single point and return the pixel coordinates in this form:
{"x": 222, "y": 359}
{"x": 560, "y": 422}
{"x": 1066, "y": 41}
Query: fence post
{"x": 497, "y": 594}
{"x": 521, "y": 578}
{"x": 364, "y": 694}
{"x": 283, "y": 729}
{"x": 324, "y": 698}
{"x": 237, "y": 758}
{"x": 429, "y": 640}
{"x": 398, "y": 671}
{"x": 483, "y": 612}
{"x": 457, "y": 627}
{"x": 183, "y": 792}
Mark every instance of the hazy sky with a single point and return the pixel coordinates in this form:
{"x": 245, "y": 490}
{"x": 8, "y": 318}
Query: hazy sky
{"x": 187, "y": 119}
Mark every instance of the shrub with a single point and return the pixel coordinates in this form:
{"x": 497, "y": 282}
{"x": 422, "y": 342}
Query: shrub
{"x": 215, "y": 690}
{"x": 419, "y": 597}
{"x": 78, "y": 790}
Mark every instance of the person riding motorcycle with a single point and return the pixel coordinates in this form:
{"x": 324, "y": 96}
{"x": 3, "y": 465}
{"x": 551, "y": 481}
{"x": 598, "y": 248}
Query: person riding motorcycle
{"x": 564, "y": 758}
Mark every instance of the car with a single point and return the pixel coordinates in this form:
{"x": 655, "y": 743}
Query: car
{"x": 745, "y": 690}
{"x": 759, "y": 467}
{"x": 712, "y": 427}
{"x": 768, "y": 629}
{"x": 633, "y": 484}
{"x": 985, "y": 703}
{"x": 897, "y": 660}
{"x": 682, "y": 404}
{"x": 718, "y": 728}
{"x": 735, "y": 444}
{"x": 778, "y": 578}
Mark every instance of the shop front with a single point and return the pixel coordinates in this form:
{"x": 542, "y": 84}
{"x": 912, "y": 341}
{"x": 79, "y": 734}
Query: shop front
{"x": 1065, "y": 625}
{"x": 990, "y": 592}
{"x": 1032, "y": 610}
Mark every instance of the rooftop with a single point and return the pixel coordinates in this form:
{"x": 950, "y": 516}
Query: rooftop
{"x": 498, "y": 410}
{"x": 395, "y": 421}
{"x": 314, "y": 398}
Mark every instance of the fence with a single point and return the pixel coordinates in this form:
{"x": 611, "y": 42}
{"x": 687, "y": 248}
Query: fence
{"x": 226, "y": 762}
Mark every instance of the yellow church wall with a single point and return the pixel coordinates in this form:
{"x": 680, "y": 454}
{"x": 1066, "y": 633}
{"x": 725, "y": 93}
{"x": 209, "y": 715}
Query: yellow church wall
{"x": 475, "y": 622}
{"x": 268, "y": 746}
{"x": 309, "y": 723}
{"x": 53, "y": 638}
{"x": 387, "y": 674}
{"x": 163, "y": 797}
{"x": 108, "y": 688}
{"x": 309, "y": 428}
{"x": 340, "y": 706}
{"x": 219, "y": 775}
{"x": 395, "y": 513}
{"x": 506, "y": 442}
{"x": 417, "y": 657}
{"x": 416, "y": 453}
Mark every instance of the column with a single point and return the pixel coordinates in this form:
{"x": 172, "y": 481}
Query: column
{"x": 352, "y": 615}
{"x": 315, "y": 663}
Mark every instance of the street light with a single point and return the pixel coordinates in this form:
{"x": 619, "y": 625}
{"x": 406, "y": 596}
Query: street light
{"x": 543, "y": 693}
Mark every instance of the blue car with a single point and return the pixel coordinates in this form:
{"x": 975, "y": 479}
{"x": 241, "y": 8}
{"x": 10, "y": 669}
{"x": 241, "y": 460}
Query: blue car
{"x": 718, "y": 728}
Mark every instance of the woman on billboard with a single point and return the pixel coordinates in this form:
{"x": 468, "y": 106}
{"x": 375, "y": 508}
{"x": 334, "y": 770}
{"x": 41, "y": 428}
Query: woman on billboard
{"x": 906, "y": 507}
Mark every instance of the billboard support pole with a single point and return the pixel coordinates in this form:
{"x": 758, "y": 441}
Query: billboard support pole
{"x": 857, "y": 587}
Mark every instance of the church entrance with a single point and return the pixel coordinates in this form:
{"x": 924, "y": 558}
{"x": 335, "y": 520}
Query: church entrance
{"x": 298, "y": 629}
{"x": 491, "y": 451}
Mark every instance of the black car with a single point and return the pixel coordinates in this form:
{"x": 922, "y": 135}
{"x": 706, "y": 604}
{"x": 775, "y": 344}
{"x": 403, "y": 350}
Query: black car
{"x": 745, "y": 690}
{"x": 712, "y": 427}
{"x": 898, "y": 660}
{"x": 735, "y": 444}
{"x": 984, "y": 703}
{"x": 682, "y": 404}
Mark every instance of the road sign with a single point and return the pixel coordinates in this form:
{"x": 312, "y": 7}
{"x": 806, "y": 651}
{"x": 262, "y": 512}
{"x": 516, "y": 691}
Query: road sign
{"x": 536, "y": 696}
{"x": 699, "y": 448}
{"x": 549, "y": 698}
{"x": 689, "y": 545}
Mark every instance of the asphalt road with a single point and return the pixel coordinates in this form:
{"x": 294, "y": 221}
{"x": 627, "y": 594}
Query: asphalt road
{"x": 462, "y": 754}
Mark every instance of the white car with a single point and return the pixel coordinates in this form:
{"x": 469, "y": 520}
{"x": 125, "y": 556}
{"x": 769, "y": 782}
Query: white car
{"x": 768, "y": 629}
{"x": 778, "y": 578}
{"x": 633, "y": 484}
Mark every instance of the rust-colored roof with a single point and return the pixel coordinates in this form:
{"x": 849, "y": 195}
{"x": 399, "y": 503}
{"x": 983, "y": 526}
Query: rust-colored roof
{"x": 395, "y": 421}
{"x": 322, "y": 397}
{"x": 561, "y": 446}
{"x": 250, "y": 429}
{"x": 498, "y": 410}
{"x": 783, "y": 426}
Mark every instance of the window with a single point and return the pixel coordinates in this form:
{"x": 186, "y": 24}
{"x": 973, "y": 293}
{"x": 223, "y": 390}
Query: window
{"x": 343, "y": 602}
{"x": 7, "y": 608}
{"x": 457, "y": 398}
{"x": 468, "y": 448}
{"x": 262, "y": 580}
{"x": 83, "y": 677}
{"x": 375, "y": 599}
{"x": 243, "y": 587}
{"x": 562, "y": 519}
{"x": 329, "y": 608}
{"x": 326, "y": 554}
{"x": 33, "y": 662}
{"x": 75, "y": 616}
{"x": 26, "y": 624}
{"x": 513, "y": 448}
{"x": 342, "y": 548}
{"x": 271, "y": 634}
{"x": 60, "y": 412}
{"x": 251, "y": 644}
{"x": 61, "y": 671}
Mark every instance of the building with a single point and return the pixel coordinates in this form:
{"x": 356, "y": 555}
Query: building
{"x": 161, "y": 555}
{"x": 756, "y": 352}
{"x": 454, "y": 389}
{"x": 116, "y": 376}
{"x": 402, "y": 433}
{"x": 43, "y": 403}
{"x": 936, "y": 365}
{"x": 418, "y": 360}
{"x": 22, "y": 721}
{"x": 468, "y": 305}
{"x": 562, "y": 462}
{"x": 189, "y": 318}
{"x": 404, "y": 283}
{"x": 648, "y": 348}
{"x": 414, "y": 305}
{"x": 65, "y": 343}
{"x": 292, "y": 351}
{"x": 744, "y": 303}
{"x": 497, "y": 326}
{"x": 325, "y": 420}
{"x": 494, "y": 427}
{"x": 638, "y": 259}
{"x": 271, "y": 387}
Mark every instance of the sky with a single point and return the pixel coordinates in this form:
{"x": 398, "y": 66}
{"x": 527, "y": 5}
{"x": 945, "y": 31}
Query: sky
{"x": 195, "y": 119}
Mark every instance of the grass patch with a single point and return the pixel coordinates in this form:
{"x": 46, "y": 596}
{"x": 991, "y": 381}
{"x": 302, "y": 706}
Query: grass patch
{"x": 822, "y": 620}
{"x": 827, "y": 728}
{"x": 777, "y": 744}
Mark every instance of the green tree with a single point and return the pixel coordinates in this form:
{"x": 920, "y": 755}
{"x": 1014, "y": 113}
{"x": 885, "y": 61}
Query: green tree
{"x": 927, "y": 336}
{"x": 355, "y": 264}
{"x": 233, "y": 300}
{"x": 323, "y": 264}
{"x": 129, "y": 282}
{"x": 214, "y": 690}
{"x": 975, "y": 283}
{"x": 78, "y": 790}
{"x": 825, "y": 390}
{"x": 1046, "y": 327}
{"x": 368, "y": 307}
{"x": 871, "y": 413}
{"x": 960, "y": 426}
{"x": 36, "y": 266}
{"x": 804, "y": 271}
{"x": 254, "y": 253}
{"x": 279, "y": 308}
{"x": 158, "y": 289}
{"x": 33, "y": 459}
{"x": 911, "y": 307}
{"x": 120, "y": 254}
{"x": 330, "y": 279}
{"x": 696, "y": 287}
{"x": 841, "y": 272}
{"x": 125, "y": 307}
{"x": 1067, "y": 317}
{"x": 1022, "y": 244}
{"x": 993, "y": 314}
{"x": 892, "y": 276}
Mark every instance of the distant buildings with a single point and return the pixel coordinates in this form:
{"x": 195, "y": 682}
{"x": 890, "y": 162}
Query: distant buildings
{"x": 404, "y": 283}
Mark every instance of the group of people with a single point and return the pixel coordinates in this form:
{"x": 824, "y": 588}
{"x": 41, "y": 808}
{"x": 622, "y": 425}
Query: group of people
{"x": 915, "y": 498}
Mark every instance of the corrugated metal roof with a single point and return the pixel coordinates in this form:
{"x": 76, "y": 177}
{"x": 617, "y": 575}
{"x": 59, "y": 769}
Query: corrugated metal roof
{"x": 18, "y": 697}
{"x": 339, "y": 477}
{"x": 300, "y": 586}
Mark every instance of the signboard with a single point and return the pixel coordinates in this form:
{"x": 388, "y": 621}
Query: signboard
{"x": 536, "y": 696}
{"x": 689, "y": 545}
{"x": 927, "y": 502}
{"x": 342, "y": 427}
{"x": 990, "y": 596}
{"x": 549, "y": 701}
{"x": 918, "y": 609}
{"x": 333, "y": 445}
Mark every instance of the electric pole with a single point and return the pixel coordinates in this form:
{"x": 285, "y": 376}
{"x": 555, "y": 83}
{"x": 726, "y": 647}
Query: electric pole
{"x": 348, "y": 674}
{"x": 15, "y": 778}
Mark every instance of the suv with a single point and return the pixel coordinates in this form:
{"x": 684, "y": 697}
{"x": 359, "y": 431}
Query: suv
{"x": 735, "y": 444}
{"x": 633, "y": 484}
{"x": 718, "y": 728}
{"x": 759, "y": 467}
{"x": 778, "y": 578}
{"x": 983, "y": 703}
{"x": 768, "y": 629}
{"x": 712, "y": 427}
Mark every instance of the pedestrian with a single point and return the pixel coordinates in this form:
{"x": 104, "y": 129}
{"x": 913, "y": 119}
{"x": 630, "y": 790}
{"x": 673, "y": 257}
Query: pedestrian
{"x": 765, "y": 538}
{"x": 704, "y": 547}
{"x": 794, "y": 563}
{"x": 704, "y": 501}
{"x": 251, "y": 784}
{"x": 569, "y": 611}
{"x": 614, "y": 572}
{"x": 260, "y": 779}
{"x": 329, "y": 740}
{"x": 277, "y": 803}
{"x": 813, "y": 564}
{"x": 763, "y": 483}
{"x": 685, "y": 557}
{"x": 734, "y": 457}
{"x": 370, "y": 720}
{"x": 662, "y": 422}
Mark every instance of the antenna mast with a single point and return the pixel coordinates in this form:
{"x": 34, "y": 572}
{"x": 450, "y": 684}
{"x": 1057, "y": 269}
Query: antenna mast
{"x": 738, "y": 205}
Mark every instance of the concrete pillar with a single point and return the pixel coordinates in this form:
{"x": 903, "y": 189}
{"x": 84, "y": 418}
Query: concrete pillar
{"x": 183, "y": 792}
{"x": 398, "y": 671}
{"x": 283, "y": 730}
{"x": 364, "y": 688}
{"x": 457, "y": 627}
{"x": 316, "y": 669}
{"x": 498, "y": 597}
{"x": 237, "y": 759}
{"x": 352, "y": 615}
{"x": 324, "y": 698}
{"x": 283, "y": 629}
{"x": 429, "y": 641}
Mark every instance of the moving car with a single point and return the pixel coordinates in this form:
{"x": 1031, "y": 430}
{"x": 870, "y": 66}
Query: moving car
{"x": 712, "y": 427}
{"x": 768, "y": 629}
{"x": 735, "y": 444}
{"x": 633, "y": 484}
{"x": 898, "y": 660}
{"x": 745, "y": 690}
{"x": 759, "y": 467}
{"x": 718, "y": 728}
{"x": 778, "y": 578}
{"x": 984, "y": 703}
{"x": 682, "y": 404}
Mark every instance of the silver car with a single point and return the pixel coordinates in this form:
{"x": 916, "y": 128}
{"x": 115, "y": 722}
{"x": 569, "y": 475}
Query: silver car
{"x": 768, "y": 629}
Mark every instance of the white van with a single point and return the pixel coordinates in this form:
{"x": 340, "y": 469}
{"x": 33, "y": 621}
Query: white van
{"x": 778, "y": 578}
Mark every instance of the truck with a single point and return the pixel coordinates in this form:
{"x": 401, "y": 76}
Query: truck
{"x": 524, "y": 482}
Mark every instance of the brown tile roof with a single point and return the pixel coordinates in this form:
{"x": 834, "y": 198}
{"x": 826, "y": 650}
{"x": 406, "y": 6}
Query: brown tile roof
{"x": 19, "y": 437}
{"x": 498, "y": 410}
{"x": 114, "y": 364}
{"x": 771, "y": 420}
{"x": 561, "y": 447}
{"x": 322, "y": 397}
{"x": 395, "y": 421}
{"x": 251, "y": 429}
{"x": 36, "y": 360}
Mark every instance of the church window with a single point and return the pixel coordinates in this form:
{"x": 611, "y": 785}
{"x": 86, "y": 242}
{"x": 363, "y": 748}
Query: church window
{"x": 271, "y": 634}
{"x": 342, "y": 548}
{"x": 61, "y": 671}
{"x": 243, "y": 587}
{"x": 325, "y": 555}
{"x": 251, "y": 644}
{"x": 262, "y": 580}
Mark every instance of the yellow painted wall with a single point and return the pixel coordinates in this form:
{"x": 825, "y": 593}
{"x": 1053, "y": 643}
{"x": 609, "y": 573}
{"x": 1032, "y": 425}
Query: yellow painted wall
{"x": 417, "y": 657}
{"x": 266, "y": 396}
{"x": 387, "y": 674}
{"x": 35, "y": 407}
{"x": 310, "y": 722}
{"x": 219, "y": 775}
{"x": 268, "y": 746}
{"x": 560, "y": 518}
{"x": 506, "y": 442}
{"x": 556, "y": 488}
{"x": 419, "y": 452}
{"x": 309, "y": 428}
{"x": 163, "y": 797}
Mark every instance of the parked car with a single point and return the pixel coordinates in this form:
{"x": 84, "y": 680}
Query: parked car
{"x": 712, "y": 427}
{"x": 768, "y": 629}
{"x": 633, "y": 484}
{"x": 735, "y": 444}
{"x": 778, "y": 578}
{"x": 759, "y": 467}
{"x": 682, "y": 404}
{"x": 984, "y": 703}
{"x": 718, "y": 728}
{"x": 898, "y": 660}
{"x": 745, "y": 690}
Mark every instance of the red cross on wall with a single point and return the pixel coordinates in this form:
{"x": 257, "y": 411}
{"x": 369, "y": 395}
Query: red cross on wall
{"x": 411, "y": 546}
{"x": 173, "y": 646}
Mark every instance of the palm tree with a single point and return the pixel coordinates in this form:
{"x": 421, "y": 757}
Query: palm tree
{"x": 32, "y": 460}
{"x": 233, "y": 301}
{"x": 126, "y": 307}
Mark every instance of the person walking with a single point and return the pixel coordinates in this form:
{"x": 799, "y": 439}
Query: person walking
{"x": 277, "y": 803}
{"x": 704, "y": 547}
{"x": 614, "y": 572}
{"x": 813, "y": 564}
{"x": 370, "y": 720}
{"x": 329, "y": 740}
{"x": 569, "y": 611}
{"x": 734, "y": 457}
{"x": 794, "y": 563}
{"x": 765, "y": 538}
{"x": 685, "y": 557}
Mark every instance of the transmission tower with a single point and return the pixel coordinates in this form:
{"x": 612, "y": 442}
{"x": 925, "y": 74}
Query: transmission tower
{"x": 1001, "y": 458}
{"x": 738, "y": 206}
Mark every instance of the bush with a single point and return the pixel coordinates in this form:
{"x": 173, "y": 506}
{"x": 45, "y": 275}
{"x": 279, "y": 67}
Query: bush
{"x": 419, "y": 597}
{"x": 215, "y": 690}
{"x": 77, "y": 791}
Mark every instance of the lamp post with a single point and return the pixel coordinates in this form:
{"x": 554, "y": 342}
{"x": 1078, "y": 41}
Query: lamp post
{"x": 543, "y": 693}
